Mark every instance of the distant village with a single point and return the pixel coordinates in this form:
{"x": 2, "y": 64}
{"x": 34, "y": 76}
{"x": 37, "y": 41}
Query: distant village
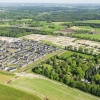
{"x": 17, "y": 53}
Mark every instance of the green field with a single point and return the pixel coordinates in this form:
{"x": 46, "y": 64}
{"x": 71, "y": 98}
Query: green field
{"x": 92, "y": 21}
{"x": 52, "y": 27}
{"x": 95, "y": 36}
{"x": 86, "y": 27}
{"x": 48, "y": 66}
{"x": 89, "y": 28}
{"x": 50, "y": 90}
{"x": 69, "y": 53}
{"x": 9, "y": 93}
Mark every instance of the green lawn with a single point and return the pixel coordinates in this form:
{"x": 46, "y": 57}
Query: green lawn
{"x": 48, "y": 66}
{"x": 9, "y": 93}
{"x": 69, "y": 53}
{"x": 49, "y": 89}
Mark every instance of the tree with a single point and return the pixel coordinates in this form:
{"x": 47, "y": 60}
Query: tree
{"x": 97, "y": 78}
{"x": 86, "y": 51}
{"x": 80, "y": 72}
{"x": 75, "y": 49}
{"x": 80, "y": 49}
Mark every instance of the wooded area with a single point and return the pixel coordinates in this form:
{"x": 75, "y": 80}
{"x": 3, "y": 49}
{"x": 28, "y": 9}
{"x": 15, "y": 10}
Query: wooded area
{"x": 76, "y": 71}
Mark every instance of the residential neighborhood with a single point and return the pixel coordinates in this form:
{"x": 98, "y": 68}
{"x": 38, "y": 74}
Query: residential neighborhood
{"x": 17, "y": 53}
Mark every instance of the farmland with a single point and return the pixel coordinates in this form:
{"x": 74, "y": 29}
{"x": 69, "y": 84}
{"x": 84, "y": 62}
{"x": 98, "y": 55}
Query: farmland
{"x": 92, "y": 36}
{"x": 85, "y": 28}
{"x": 50, "y": 90}
{"x": 9, "y": 93}
{"x": 92, "y": 21}
{"x": 88, "y": 28}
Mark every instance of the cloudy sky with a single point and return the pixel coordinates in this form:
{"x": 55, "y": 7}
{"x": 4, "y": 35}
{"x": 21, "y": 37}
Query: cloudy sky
{"x": 52, "y": 1}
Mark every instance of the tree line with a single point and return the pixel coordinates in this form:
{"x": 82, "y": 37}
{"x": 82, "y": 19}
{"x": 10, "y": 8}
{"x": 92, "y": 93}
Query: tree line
{"x": 18, "y": 32}
{"x": 51, "y": 13}
{"x": 80, "y": 49}
{"x": 82, "y": 23}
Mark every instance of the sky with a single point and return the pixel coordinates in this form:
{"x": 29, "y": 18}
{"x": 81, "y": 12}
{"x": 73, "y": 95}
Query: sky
{"x": 50, "y": 1}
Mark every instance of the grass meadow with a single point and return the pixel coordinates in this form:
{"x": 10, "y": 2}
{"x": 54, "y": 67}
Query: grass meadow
{"x": 69, "y": 53}
{"x": 92, "y": 21}
{"x": 5, "y": 77}
{"x": 9, "y": 93}
{"x": 95, "y": 36}
{"x": 49, "y": 89}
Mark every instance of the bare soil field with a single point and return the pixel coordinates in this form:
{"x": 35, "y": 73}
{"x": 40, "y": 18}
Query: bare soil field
{"x": 5, "y": 38}
{"x": 60, "y": 40}
{"x": 65, "y": 41}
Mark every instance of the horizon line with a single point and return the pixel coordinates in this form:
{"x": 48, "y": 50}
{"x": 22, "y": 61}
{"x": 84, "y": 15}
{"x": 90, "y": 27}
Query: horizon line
{"x": 54, "y": 2}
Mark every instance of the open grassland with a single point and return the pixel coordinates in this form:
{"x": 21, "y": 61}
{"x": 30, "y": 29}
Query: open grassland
{"x": 52, "y": 27}
{"x": 49, "y": 89}
{"x": 82, "y": 27}
{"x": 90, "y": 21}
{"x": 43, "y": 25}
{"x": 9, "y": 93}
{"x": 69, "y": 53}
{"x": 89, "y": 28}
{"x": 5, "y": 77}
{"x": 85, "y": 28}
{"x": 95, "y": 36}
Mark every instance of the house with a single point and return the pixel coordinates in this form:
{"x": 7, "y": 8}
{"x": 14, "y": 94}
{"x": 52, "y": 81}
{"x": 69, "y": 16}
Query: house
{"x": 4, "y": 68}
{"x": 11, "y": 69}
